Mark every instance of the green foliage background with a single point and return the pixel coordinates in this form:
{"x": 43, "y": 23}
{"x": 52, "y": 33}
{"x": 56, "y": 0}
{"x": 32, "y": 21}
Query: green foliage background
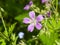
{"x": 13, "y": 13}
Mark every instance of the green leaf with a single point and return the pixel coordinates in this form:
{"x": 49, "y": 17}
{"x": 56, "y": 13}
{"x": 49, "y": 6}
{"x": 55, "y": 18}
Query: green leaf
{"x": 49, "y": 25}
{"x": 21, "y": 16}
{"x": 53, "y": 22}
{"x": 47, "y": 37}
{"x": 58, "y": 25}
{"x": 14, "y": 39}
{"x": 5, "y": 33}
{"x": 4, "y": 36}
{"x": 11, "y": 28}
{"x": 2, "y": 41}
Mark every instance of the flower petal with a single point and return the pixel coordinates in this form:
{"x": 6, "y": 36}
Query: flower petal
{"x": 31, "y": 27}
{"x": 26, "y": 7}
{"x": 26, "y": 20}
{"x": 38, "y": 26}
{"x": 43, "y": 1}
{"x": 30, "y": 3}
{"x": 32, "y": 14}
{"x": 39, "y": 18}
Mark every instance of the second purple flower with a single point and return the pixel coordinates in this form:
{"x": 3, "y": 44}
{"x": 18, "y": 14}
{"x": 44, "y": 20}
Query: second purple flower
{"x": 27, "y": 7}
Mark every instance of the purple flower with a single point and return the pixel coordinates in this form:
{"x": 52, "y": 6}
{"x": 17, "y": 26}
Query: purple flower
{"x": 33, "y": 21}
{"x": 27, "y": 7}
{"x": 48, "y": 13}
{"x": 43, "y": 1}
{"x": 30, "y": 3}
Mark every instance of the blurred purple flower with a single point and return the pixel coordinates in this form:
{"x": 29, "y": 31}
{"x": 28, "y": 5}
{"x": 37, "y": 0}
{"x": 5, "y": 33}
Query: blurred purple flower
{"x": 33, "y": 21}
{"x": 21, "y": 35}
{"x": 43, "y": 1}
{"x": 30, "y": 3}
{"x": 48, "y": 13}
{"x": 27, "y": 7}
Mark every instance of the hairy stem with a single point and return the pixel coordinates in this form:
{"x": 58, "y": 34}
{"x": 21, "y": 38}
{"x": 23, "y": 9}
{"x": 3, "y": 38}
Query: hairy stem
{"x": 3, "y": 21}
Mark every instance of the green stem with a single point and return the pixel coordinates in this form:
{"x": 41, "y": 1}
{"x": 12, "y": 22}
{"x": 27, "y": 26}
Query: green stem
{"x": 3, "y": 21}
{"x": 4, "y": 27}
{"x": 56, "y": 5}
{"x": 36, "y": 42}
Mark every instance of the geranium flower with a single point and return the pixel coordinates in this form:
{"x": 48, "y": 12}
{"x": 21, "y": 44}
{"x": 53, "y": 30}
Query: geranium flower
{"x": 33, "y": 21}
{"x": 27, "y": 7}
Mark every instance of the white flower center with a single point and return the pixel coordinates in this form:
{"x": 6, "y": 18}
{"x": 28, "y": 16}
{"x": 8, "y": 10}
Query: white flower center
{"x": 33, "y": 21}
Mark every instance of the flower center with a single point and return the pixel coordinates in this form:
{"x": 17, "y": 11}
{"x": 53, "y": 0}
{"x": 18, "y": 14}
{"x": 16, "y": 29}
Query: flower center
{"x": 34, "y": 21}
